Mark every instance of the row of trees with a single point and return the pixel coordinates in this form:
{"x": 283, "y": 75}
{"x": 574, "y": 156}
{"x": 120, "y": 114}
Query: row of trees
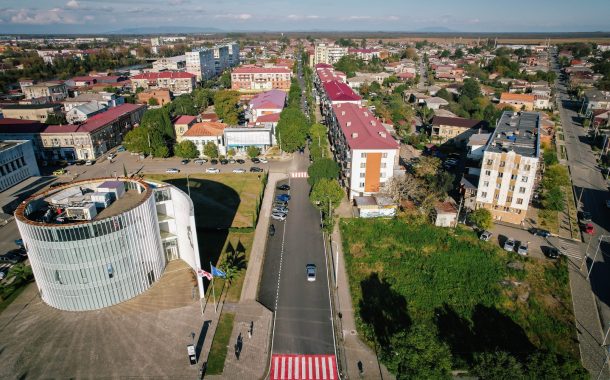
{"x": 349, "y": 64}
{"x": 293, "y": 127}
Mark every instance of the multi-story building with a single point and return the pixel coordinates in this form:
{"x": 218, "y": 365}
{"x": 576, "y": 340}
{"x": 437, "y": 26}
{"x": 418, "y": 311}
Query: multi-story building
{"x": 333, "y": 93}
{"x": 221, "y": 58}
{"x": 519, "y": 102}
{"x": 106, "y": 99}
{"x": 329, "y": 54}
{"x": 17, "y": 162}
{"x": 176, "y": 63}
{"x": 177, "y": 82}
{"x": 38, "y": 112}
{"x": 183, "y": 124}
{"x": 233, "y": 54}
{"x": 454, "y": 129}
{"x": 597, "y": 100}
{"x": 201, "y": 63}
{"x": 99, "y": 242}
{"x": 257, "y": 79}
{"x": 81, "y": 113}
{"x": 509, "y": 167}
{"x": 162, "y": 97}
{"x": 52, "y": 91}
{"x": 266, "y": 103}
{"x": 202, "y": 133}
{"x": 365, "y": 54}
{"x": 365, "y": 150}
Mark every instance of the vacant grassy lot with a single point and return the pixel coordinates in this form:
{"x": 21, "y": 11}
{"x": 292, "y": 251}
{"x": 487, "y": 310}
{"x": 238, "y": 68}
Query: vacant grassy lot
{"x": 406, "y": 275}
{"x": 218, "y": 351}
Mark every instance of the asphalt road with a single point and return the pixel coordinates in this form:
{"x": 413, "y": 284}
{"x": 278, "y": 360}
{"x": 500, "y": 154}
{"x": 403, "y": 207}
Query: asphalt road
{"x": 589, "y": 182}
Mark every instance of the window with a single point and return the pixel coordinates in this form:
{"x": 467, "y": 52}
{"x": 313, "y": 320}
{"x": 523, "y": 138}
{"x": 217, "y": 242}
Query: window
{"x": 500, "y": 175}
{"x": 502, "y": 164}
{"x": 382, "y": 175}
{"x": 496, "y": 196}
{"x": 519, "y": 201}
{"x": 486, "y": 184}
{"x": 384, "y": 155}
{"x": 511, "y": 188}
{"x": 110, "y": 270}
{"x": 522, "y": 190}
{"x": 362, "y": 175}
{"x": 490, "y": 162}
{"x": 361, "y": 184}
{"x": 487, "y": 172}
{"x": 363, "y": 165}
{"x": 362, "y": 155}
{"x": 524, "y": 179}
{"x": 383, "y": 165}
{"x": 484, "y": 194}
{"x": 509, "y": 199}
{"x": 513, "y": 176}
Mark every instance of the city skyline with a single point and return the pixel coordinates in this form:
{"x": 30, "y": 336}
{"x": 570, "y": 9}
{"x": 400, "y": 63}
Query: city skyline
{"x": 92, "y": 16}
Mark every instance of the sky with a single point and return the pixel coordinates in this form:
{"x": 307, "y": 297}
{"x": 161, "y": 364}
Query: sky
{"x": 92, "y": 16}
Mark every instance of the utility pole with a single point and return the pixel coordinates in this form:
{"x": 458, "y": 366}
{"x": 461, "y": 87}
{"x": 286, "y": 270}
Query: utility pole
{"x": 457, "y": 218}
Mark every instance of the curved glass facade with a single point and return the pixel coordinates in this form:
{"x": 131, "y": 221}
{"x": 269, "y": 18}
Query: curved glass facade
{"x": 98, "y": 263}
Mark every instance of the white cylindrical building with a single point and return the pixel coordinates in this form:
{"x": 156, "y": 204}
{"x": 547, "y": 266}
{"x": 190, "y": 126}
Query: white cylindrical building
{"x": 93, "y": 243}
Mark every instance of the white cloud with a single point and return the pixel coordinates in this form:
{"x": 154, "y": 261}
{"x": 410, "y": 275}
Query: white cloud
{"x": 89, "y": 18}
{"x": 302, "y": 17}
{"x": 234, "y": 16}
{"x": 178, "y": 2}
{"x": 72, "y": 4}
{"x": 42, "y": 17}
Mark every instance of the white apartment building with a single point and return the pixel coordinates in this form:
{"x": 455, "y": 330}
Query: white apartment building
{"x": 509, "y": 167}
{"x": 201, "y": 63}
{"x": 17, "y": 162}
{"x": 176, "y": 63}
{"x": 221, "y": 58}
{"x": 329, "y": 54}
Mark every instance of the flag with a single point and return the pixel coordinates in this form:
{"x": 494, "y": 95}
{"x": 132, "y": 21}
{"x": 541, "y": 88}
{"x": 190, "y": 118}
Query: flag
{"x": 202, "y": 273}
{"x": 217, "y": 272}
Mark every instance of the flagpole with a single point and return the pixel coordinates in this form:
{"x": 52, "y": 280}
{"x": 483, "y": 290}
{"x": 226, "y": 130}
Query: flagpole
{"x": 200, "y": 298}
{"x": 213, "y": 290}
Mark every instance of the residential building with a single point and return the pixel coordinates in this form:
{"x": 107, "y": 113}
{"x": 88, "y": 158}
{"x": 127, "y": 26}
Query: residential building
{"x": 221, "y": 58}
{"x": 183, "y": 124}
{"x": 476, "y": 145}
{"x": 17, "y": 129}
{"x": 202, "y": 133}
{"x": 81, "y": 113}
{"x": 435, "y": 103}
{"x": 454, "y": 129}
{"x": 162, "y": 97}
{"x": 364, "y": 54}
{"x": 362, "y": 78}
{"x": 261, "y": 136}
{"x": 257, "y": 79}
{"x": 597, "y": 100}
{"x": 445, "y": 214}
{"x": 365, "y": 150}
{"x": 88, "y": 239}
{"x": 177, "y": 82}
{"x": 334, "y": 92}
{"x": 17, "y": 162}
{"x": 519, "y": 102}
{"x": 200, "y": 62}
{"x": 329, "y": 54}
{"x": 52, "y": 91}
{"x": 509, "y": 167}
{"x": 233, "y": 53}
{"x": 375, "y": 206}
{"x": 106, "y": 99}
{"x": 265, "y": 103}
{"x": 38, "y": 112}
{"x": 176, "y": 63}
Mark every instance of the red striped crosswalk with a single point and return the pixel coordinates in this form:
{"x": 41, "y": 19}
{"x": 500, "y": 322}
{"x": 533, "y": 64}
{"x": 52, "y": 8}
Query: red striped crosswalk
{"x": 303, "y": 367}
{"x": 299, "y": 175}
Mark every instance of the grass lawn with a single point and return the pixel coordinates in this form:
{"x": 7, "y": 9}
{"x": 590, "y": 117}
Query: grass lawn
{"x": 239, "y": 242}
{"x": 218, "y": 351}
{"x": 405, "y": 274}
{"x": 549, "y": 220}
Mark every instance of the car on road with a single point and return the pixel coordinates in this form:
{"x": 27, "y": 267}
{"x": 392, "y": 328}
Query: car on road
{"x": 585, "y": 217}
{"x": 239, "y": 170}
{"x": 79, "y": 162}
{"x": 540, "y": 232}
{"x": 200, "y": 161}
{"x": 485, "y": 236}
{"x": 224, "y": 162}
{"x": 121, "y": 148}
{"x": 212, "y": 170}
{"x": 522, "y": 249}
{"x": 278, "y": 216}
{"x": 271, "y": 230}
{"x": 283, "y": 197}
{"x": 214, "y": 161}
{"x": 256, "y": 169}
{"x": 184, "y": 162}
{"x": 111, "y": 156}
{"x": 59, "y": 172}
{"x": 588, "y": 228}
{"x": 310, "y": 270}
{"x": 280, "y": 204}
{"x": 172, "y": 171}
{"x": 2, "y": 274}
{"x": 509, "y": 244}
{"x": 284, "y": 187}
{"x": 56, "y": 184}
{"x": 89, "y": 162}
{"x": 240, "y": 161}
{"x": 255, "y": 160}
{"x": 263, "y": 160}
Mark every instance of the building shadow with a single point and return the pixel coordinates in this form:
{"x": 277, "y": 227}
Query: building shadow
{"x": 25, "y": 192}
{"x": 600, "y": 272}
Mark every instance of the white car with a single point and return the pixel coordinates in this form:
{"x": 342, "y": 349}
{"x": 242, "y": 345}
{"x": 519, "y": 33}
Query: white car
{"x": 239, "y": 170}
{"x": 172, "y": 171}
{"x": 278, "y": 216}
{"x": 212, "y": 170}
{"x": 89, "y": 163}
{"x": 111, "y": 156}
{"x": 263, "y": 160}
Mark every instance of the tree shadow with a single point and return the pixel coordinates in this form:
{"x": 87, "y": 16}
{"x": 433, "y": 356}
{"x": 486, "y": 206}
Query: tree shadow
{"x": 488, "y": 330}
{"x": 383, "y": 309}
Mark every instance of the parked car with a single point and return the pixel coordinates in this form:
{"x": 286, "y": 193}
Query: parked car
{"x": 232, "y": 161}
{"x": 239, "y": 170}
{"x": 608, "y": 203}
{"x": 79, "y": 162}
{"x": 280, "y": 209}
{"x": 2, "y": 274}
{"x": 240, "y": 161}
{"x": 59, "y": 172}
{"x": 263, "y": 160}
{"x": 271, "y": 230}
{"x": 121, "y": 148}
{"x": 283, "y": 197}
{"x": 551, "y": 252}
{"x": 111, "y": 156}
{"x": 212, "y": 170}
{"x": 585, "y": 216}
{"x": 278, "y": 216}
{"x": 509, "y": 244}
{"x": 540, "y": 232}
{"x": 56, "y": 184}
{"x": 280, "y": 204}
{"x": 256, "y": 160}
{"x": 214, "y": 161}
{"x": 172, "y": 171}
{"x": 310, "y": 270}
{"x": 485, "y": 236}
{"x": 256, "y": 169}
{"x": 184, "y": 162}
{"x": 224, "y": 162}
{"x": 200, "y": 161}
{"x": 588, "y": 228}
{"x": 89, "y": 162}
{"x": 522, "y": 249}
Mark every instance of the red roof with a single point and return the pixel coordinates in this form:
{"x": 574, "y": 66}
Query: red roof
{"x": 327, "y": 75}
{"x": 97, "y": 121}
{"x": 269, "y": 118}
{"x": 319, "y": 66}
{"x": 185, "y": 119}
{"x": 261, "y": 70}
{"x": 340, "y": 92}
{"x": 84, "y": 79}
{"x": 163, "y": 75}
{"x": 362, "y": 129}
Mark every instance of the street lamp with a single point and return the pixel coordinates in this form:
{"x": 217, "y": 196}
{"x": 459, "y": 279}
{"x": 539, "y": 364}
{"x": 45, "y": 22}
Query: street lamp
{"x": 336, "y": 261}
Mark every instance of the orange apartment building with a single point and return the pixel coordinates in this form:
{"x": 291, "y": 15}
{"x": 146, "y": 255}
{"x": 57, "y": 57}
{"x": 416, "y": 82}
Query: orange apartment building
{"x": 259, "y": 79}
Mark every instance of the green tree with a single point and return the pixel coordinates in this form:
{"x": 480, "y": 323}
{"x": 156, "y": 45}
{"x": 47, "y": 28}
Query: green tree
{"x": 471, "y": 89}
{"x": 153, "y": 102}
{"x": 145, "y": 139}
{"x": 322, "y": 168}
{"x": 550, "y": 157}
{"x": 326, "y": 195}
{"x": 253, "y": 151}
{"x": 445, "y": 53}
{"x": 225, "y": 79}
{"x": 552, "y": 199}
{"x": 56, "y": 119}
{"x": 210, "y": 150}
{"x": 202, "y": 98}
{"x": 497, "y": 366}
{"x": 183, "y": 105}
{"x": 186, "y": 149}
{"x": 427, "y": 166}
{"x": 418, "y": 354}
{"x": 548, "y": 365}
{"x": 481, "y": 218}
{"x": 554, "y": 176}
{"x": 225, "y": 104}
{"x": 231, "y": 152}
{"x": 292, "y": 129}
{"x": 21, "y": 272}
{"x": 159, "y": 120}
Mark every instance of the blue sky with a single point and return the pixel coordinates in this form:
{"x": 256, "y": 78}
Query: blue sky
{"x": 91, "y": 16}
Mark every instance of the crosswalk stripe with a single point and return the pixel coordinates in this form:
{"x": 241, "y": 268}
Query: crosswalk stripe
{"x": 303, "y": 367}
{"x": 299, "y": 175}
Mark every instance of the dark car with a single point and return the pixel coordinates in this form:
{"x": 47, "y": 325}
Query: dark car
{"x": 585, "y": 216}
{"x": 551, "y": 252}
{"x": 283, "y": 197}
{"x": 271, "y": 230}
{"x": 256, "y": 160}
{"x": 214, "y": 161}
{"x": 184, "y": 162}
{"x": 256, "y": 169}
{"x": 224, "y": 162}
{"x": 240, "y": 161}
{"x": 283, "y": 187}
{"x": 17, "y": 252}
{"x": 540, "y": 232}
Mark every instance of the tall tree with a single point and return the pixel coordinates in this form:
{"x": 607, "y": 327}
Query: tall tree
{"x": 225, "y": 104}
{"x": 186, "y": 149}
{"x": 292, "y": 129}
{"x": 322, "y": 168}
{"x": 210, "y": 150}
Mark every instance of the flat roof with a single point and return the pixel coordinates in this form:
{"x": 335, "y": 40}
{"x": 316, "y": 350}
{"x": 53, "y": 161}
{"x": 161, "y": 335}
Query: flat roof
{"x": 517, "y": 132}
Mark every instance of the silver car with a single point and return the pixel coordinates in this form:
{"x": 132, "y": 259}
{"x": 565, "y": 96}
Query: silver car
{"x": 509, "y": 244}
{"x": 522, "y": 249}
{"x": 310, "y": 269}
{"x": 278, "y": 216}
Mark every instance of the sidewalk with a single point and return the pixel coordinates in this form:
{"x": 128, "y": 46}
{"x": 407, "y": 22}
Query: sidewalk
{"x": 351, "y": 348}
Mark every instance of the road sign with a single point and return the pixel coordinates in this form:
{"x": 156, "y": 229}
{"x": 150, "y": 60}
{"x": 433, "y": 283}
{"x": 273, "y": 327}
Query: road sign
{"x": 303, "y": 367}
